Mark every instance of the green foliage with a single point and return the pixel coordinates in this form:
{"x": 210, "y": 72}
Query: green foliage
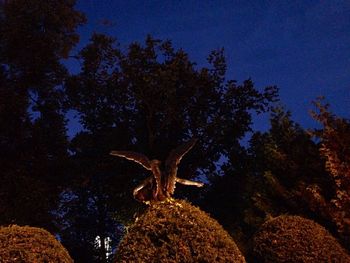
{"x": 175, "y": 231}
{"x": 296, "y": 239}
{"x": 30, "y": 244}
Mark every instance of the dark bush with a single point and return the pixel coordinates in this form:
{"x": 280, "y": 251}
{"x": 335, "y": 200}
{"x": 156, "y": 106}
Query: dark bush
{"x": 296, "y": 239}
{"x": 29, "y": 245}
{"x": 176, "y": 231}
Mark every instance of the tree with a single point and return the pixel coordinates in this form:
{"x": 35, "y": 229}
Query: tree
{"x": 288, "y": 160}
{"x": 335, "y": 149}
{"x": 35, "y": 36}
{"x": 269, "y": 177}
{"x": 150, "y": 98}
{"x": 96, "y": 193}
{"x": 305, "y": 176}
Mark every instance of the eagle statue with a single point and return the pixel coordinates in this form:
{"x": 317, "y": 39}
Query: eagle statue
{"x": 161, "y": 184}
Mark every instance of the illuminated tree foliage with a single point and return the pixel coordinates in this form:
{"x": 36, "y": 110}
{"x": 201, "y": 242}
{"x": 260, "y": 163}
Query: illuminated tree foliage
{"x": 176, "y": 231}
{"x": 335, "y": 149}
{"x": 296, "y": 239}
{"x": 30, "y": 244}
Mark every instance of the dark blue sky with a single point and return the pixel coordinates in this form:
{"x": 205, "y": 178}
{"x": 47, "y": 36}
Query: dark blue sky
{"x": 303, "y": 47}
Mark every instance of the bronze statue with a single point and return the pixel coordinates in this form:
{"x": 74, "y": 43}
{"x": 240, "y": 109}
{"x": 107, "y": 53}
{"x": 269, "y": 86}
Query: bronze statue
{"x": 162, "y": 183}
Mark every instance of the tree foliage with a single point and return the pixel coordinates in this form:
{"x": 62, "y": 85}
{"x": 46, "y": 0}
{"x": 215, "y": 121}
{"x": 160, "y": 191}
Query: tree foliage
{"x": 335, "y": 149}
{"x": 268, "y": 178}
{"x": 30, "y": 244}
{"x": 35, "y": 36}
{"x": 286, "y": 171}
{"x": 176, "y": 231}
{"x": 296, "y": 239}
{"x": 287, "y": 161}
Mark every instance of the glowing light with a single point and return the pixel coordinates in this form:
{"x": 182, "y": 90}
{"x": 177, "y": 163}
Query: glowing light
{"x": 107, "y": 244}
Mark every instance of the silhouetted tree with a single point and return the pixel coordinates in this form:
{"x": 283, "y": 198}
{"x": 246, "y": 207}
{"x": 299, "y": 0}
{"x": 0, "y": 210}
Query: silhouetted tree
{"x": 35, "y": 36}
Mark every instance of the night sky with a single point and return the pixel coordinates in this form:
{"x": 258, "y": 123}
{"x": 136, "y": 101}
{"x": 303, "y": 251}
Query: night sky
{"x": 303, "y": 47}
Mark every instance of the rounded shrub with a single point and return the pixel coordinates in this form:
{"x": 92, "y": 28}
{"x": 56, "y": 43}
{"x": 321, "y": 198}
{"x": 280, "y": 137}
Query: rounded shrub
{"x": 176, "y": 231}
{"x": 296, "y": 239}
{"x": 30, "y": 244}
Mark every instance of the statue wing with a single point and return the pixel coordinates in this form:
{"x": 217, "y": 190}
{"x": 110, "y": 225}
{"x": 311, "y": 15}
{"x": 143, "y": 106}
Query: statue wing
{"x": 172, "y": 162}
{"x": 133, "y": 156}
{"x": 176, "y": 155}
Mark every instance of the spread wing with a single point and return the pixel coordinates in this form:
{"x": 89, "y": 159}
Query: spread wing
{"x": 133, "y": 156}
{"x": 172, "y": 162}
{"x": 176, "y": 155}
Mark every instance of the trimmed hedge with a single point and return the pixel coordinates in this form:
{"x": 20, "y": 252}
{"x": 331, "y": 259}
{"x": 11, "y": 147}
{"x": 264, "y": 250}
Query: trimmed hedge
{"x": 30, "y": 244}
{"x": 176, "y": 231}
{"x": 296, "y": 239}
